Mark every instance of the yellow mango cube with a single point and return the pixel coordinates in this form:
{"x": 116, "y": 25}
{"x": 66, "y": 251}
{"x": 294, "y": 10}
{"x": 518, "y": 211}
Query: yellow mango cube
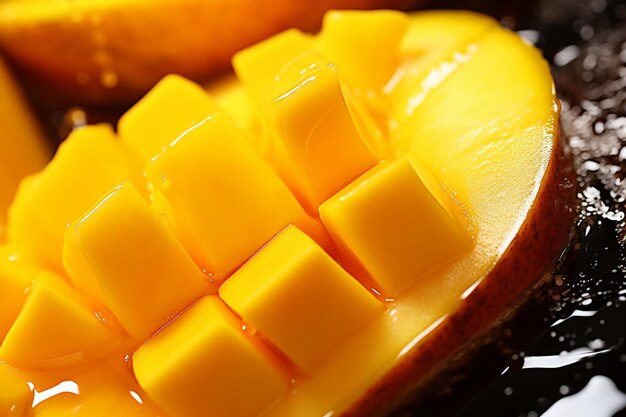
{"x": 16, "y": 396}
{"x": 225, "y": 195}
{"x": 298, "y": 297}
{"x": 455, "y": 33}
{"x": 174, "y": 105}
{"x": 203, "y": 364}
{"x": 394, "y": 226}
{"x": 125, "y": 255}
{"x": 55, "y": 329}
{"x": 260, "y": 67}
{"x": 87, "y": 164}
{"x": 324, "y": 149}
{"x": 365, "y": 46}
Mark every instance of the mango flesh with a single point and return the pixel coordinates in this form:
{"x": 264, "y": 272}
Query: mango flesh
{"x": 98, "y": 52}
{"x": 16, "y": 396}
{"x": 23, "y": 147}
{"x": 237, "y": 277}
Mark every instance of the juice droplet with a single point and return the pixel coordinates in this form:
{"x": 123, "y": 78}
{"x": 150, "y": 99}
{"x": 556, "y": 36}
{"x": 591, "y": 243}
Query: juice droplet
{"x": 109, "y": 78}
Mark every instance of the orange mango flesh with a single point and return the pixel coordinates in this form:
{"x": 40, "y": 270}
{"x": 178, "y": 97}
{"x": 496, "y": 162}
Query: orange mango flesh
{"x": 305, "y": 305}
{"x": 110, "y": 53}
{"x": 82, "y": 171}
{"x": 15, "y": 397}
{"x": 55, "y": 329}
{"x": 23, "y": 147}
{"x": 203, "y": 364}
{"x": 118, "y": 275}
{"x": 305, "y": 288}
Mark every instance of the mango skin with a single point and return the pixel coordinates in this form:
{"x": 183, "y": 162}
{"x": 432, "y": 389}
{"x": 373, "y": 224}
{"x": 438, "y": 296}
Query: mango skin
{"x": 533, "y": 252}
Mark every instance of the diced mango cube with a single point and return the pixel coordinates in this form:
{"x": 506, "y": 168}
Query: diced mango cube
{"x": 324, "y": 149}
{"x": 455, "y": 33}
{"x": 393, "y": 225}
{"x": 16, "y": 278}
{"x": 298, "y": 297}
{"x": 16, "y": 396}
{"x": 124, "y": 254}
{"x": 259, "y": 67}
{"x": 203, "y": 364}
{"x": 55, "y": 329}
{"x": 174, "y": 105}
{"x": 365, "y": 46}
{"x": 87, "y": 164}
{"x": 224, "y": 194}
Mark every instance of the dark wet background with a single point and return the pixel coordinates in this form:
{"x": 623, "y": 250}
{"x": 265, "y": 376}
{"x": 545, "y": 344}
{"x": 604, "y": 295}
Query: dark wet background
{"x": 564, "y": 355}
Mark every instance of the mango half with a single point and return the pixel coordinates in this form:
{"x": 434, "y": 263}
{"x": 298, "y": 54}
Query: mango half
{"x": 316, "y": 237}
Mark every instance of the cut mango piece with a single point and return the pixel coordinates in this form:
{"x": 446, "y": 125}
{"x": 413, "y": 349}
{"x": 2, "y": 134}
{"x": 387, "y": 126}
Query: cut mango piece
{"x": 238, "y": 103}
{"x": 242, "y": 205}
{"x": 204, "y": 365}
{"x": 142, "y": 41}
{"x": 16, "y": 396}
{"x": 123, "y": 253}
{"x": 55, "y": 329}
{"x": 365, "y": 46}
{"x": 260, "y": 66}
{"x": 23, "y": 147}
{"x": 366, "y": 49}
{"x": 87, "y": 164}
{"x": 299, "y": 298}
{"x": 16, "y": 278}
{"x": 394, "y": 226}
{"x": 174, "y": 105}
{"x": 323, "y": 147}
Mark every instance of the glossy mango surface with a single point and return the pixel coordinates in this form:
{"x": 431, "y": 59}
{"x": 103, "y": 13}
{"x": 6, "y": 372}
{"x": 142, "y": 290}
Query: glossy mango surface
{"x": 284, "y": 244}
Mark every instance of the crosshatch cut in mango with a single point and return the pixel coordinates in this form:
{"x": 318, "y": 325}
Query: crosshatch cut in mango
{"x": 393, "y": 225}
{"x": 298, "y": 297}
{"x": 124, "y": 254}
{"x": 174, "y": 105}
{"x": 259, "y": 67}
{"x": 204, "y": 364}
{"x": 294, "y": 334}
{"x": 87, "y": 164}
{"x": 324, "y": 149}
{"x": 56, "y": 328}
{"x": 243, "y": 203}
